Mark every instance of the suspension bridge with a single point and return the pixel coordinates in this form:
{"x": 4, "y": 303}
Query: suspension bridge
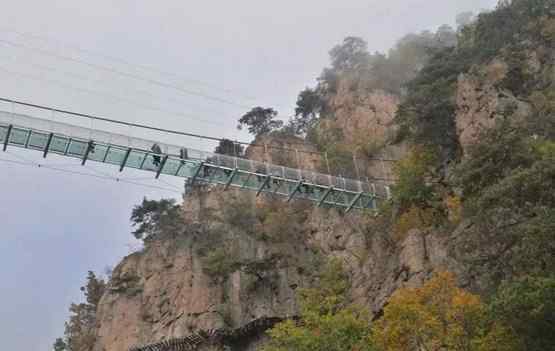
{"x": 125, "y": 151}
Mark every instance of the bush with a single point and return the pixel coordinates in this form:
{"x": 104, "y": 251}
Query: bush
{"x": 327, "y": 322}
{"x": 219, "y": 263}
{"x": 239, "y": 212}
{"x": 281, "y": 222}
{"x": 412, "y": 188}
{"x": 415, "y": 218}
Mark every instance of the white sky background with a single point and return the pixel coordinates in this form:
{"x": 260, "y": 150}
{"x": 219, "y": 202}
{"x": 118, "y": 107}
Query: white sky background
{"x": 56, "y": 226}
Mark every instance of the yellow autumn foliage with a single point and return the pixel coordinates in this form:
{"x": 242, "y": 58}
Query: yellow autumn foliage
{"x": 439, "y": 316}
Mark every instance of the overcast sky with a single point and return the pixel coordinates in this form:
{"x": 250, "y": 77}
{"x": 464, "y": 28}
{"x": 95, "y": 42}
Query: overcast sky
{"x": 55, "y": 225}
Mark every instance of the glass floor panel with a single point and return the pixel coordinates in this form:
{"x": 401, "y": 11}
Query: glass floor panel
{"x": 221, "y": 176}
{"x": 188, "y": 170}
{"x": 19, "y": 136}
{"x": 367, "y": 202}
{"x": 241, "y": 178}
{"x": 58, "y": 144}
{"x": 135, "y": 159}
{"x": 317, "y": 193}
{"x": 335, "y": 198}
{"x": 171, "y": 166}
{"x": 98, "y": 153}
{"x": 77, "y": 148}
{"x": 3, "y": 131}
{"x": 38, "y": 140}
{"x": 253, "y": 182}
{"x": 116, "y": 155}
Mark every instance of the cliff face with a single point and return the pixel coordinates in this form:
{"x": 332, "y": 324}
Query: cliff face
{"x": 480, "y": 102}
{"x": 286, "y": 151}
{"x": 367, "y": 123}
{"x": 165, "y": 291}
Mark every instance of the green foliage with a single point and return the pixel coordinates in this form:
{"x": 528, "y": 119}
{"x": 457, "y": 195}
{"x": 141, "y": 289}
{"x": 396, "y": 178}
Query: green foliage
{"x": 80, "y": 329}
{"x": 59, "y": 345}
{"x": 507, "y": 182}
{"x": 415, "y": 218}
{"x": 328, "y": 137}
{"x": 152, "y": 218}
{"x": 427, "y": 115}
{"x": 350, "y": 55}
{"x": 528, "y": 306}
{"x": 219, "y": 263}
{"x": 412, "y": 174}
{"x": 229, "y": 147}
{"x": 309, "y": 106}
{"x": 260, "y": 121}
{"x": 281, "y": 222}
{"x": 239, "y": 212}
{"x": 327, "y": 322}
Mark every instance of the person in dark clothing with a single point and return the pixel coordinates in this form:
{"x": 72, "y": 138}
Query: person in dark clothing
{"x": 90, "y": 147}
{"x": 183, "y": 153}
{"x": 157, "y": 152}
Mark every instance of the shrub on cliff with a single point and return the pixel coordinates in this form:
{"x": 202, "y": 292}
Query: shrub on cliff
{"x": 152, "y": 218}
{"x": 327, "y": 321}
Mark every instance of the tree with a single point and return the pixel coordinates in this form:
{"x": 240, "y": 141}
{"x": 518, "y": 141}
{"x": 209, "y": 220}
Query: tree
{"x": 507, "y": 181}
{"x": 60, "y": 345}
{"x": 152, "y": 218}
{"x": 260, "y": 121}
{"x": 80, "y": 329}
{"x": 439, "y": 316}
{"x": 229, "y": 147}
{"x": 308, "y": 109}
{"x": 350, "y": 55}
{"x": 528, "y": 306}
{"x": 327, "y": 322}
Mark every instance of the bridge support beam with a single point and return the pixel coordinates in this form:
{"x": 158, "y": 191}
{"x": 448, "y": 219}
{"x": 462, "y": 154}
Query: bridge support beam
{"x": 197, "y": 172}
{"x": 90, "y": 147}
{"x": 47, "y": 147}
{"x": 299, "y": 184}
{"x": 124, "y": 161}
{"x": 264, "y": 184}
{"x": 230, "y": 180}
{"x": 325, "y": 196}
{"x": 7, "y": 137}
{"x": 353, "y": 203}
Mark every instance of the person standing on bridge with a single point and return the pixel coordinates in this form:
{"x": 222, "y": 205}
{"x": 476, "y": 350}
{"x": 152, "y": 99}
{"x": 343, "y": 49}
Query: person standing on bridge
{"x": 157, "y": 152}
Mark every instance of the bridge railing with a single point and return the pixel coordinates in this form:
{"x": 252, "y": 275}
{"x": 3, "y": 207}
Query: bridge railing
{"x": 162, "y": 158}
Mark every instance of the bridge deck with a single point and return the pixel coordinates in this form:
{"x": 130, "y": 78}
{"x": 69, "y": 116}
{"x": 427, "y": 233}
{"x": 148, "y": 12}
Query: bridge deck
{"x": 123, "y": 151}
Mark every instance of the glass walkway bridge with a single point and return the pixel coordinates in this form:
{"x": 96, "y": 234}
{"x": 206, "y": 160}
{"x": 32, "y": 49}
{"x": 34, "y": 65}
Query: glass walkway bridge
{"x": 92, "y": 145}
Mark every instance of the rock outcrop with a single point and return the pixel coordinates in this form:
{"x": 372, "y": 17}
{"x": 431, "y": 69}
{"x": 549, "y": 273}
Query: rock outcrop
{"x": 480, "y": 103}
{"x": 165, "y": 292}
{"x": 367, "y": 123}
